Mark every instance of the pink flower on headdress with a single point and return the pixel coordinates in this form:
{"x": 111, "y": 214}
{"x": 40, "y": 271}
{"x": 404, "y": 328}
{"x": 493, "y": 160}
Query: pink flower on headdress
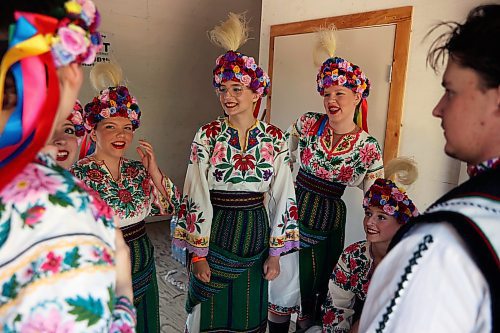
{"x": 397, "y": 195}
{"x": 246, "y": 79}
{"x": 89, "y": 9}
{"x": 218, "y": 59}
{"x": 73, "y": 39}
{"x": 104, "y": 96}
{"x": 105, "y": 113}
{"x": 341, "y": 80}
{"x": 250, "y": 62}
{"x": 217, "y": 79}
{"x": 388, "y": 209}
{"x": 133, "y": 115}
{"x": 260, "y": 91}
{"x": 90, "y": 56}
{"x": 366, "y": 201}
{"x": 76, "y": 117}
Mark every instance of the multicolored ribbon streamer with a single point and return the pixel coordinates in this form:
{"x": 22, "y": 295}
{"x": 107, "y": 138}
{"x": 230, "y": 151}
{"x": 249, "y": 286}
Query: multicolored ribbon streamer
{"x": 29, "y": 127}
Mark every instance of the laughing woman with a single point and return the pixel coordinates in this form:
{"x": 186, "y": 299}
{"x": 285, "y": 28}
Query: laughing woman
{"x": 335, "y": 151}
{"x": 133, "y": 189}
{"x": 239, "y": 212}
{"x": 67, "y": 137}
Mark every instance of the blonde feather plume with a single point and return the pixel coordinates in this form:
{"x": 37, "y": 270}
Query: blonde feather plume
{"x": 401, "y": 170}
{"x": 232, "y": 33}
{"x": 106, "y": 74}
{"x": 327, "y": 40}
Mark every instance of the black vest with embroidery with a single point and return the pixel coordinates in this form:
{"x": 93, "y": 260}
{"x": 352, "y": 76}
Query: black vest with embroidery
{"x": 485, "y": 185}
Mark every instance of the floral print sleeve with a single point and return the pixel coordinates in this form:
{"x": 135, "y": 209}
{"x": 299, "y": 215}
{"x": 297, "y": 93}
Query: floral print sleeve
{"x": 348, "y": 283}
{"x": 165, "y": 205}
{"x": 57, "y": 247}
{"x": 195, "y": 212}
{"x": 283, "y": 208}
{"x": 371, "y": 156}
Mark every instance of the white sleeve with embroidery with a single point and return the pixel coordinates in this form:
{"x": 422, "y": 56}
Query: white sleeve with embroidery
{"x": 338, "y": 308}
{"x": 195, "y": 214}
{"x": 283, "y": 208}
{"x": 444, "y": 291}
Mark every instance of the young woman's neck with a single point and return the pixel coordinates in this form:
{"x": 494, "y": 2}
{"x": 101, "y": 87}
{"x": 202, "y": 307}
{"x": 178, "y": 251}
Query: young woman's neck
{"x": 111, "y": 161}
{"x": 242, "y": 122}
{"x": 342, "y": 127}
{"x": 379, "y": 250}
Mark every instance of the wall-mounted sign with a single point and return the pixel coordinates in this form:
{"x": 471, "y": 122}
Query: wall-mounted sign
{"x": 105, "y": 53}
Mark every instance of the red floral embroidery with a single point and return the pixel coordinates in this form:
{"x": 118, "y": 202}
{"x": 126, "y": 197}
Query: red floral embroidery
{"x": 329, "y": 317}
{"x": 53, "y": 263}
{"x": 95, "y": 175}
{"x": 146, "y": 186}
{"x": 340, "y": 277}
{"x": 125, "y": 196}
{"x": 345, "y": 173}
{"x": 182, "y": 211}
{"x": 244, "y": 163}
{"x": 131, "y": 172}
{"x": 274, "y": 131}
{"x": 212, "y": 129}
{"x": 294, "y": 213}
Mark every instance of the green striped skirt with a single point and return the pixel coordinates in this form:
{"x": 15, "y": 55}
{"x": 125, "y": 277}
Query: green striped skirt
{"x": 144, "y": 281}
{"x": 322, "y": 217}
{"x": 235, "y": 299}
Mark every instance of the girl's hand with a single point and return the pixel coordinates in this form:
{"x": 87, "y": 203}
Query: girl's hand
{"x": 148, "y": 158}
{"x": 272, "y": 268}
{"x": 201, "y": 270}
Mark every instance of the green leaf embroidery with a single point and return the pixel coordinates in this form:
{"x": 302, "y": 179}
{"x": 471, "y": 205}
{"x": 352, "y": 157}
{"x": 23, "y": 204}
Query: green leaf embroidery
{"x": 90, "y": 309}
{"x": 71, "y": 258}
{"x": 60, "y": 199}
{"x": 236, "y": 180}
{"x": 252, "y": 179}
{"x": 9, "y": 288}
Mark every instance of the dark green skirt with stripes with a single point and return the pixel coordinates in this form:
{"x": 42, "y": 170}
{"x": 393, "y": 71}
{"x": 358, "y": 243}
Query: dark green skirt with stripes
{"x": 322, "y": 217}
{"x": 235, "y": 299}
{"x": 143, "y": 278}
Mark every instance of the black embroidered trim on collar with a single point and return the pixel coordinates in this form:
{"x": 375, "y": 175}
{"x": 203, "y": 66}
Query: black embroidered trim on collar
{"x": 422, "y": 247}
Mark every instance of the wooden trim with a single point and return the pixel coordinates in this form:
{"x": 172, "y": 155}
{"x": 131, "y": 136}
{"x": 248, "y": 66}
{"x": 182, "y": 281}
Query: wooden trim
{"x": 400, "y": 17}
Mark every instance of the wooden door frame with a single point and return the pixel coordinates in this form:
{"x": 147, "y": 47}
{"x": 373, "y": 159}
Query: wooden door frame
{"x": 401, "y": 17}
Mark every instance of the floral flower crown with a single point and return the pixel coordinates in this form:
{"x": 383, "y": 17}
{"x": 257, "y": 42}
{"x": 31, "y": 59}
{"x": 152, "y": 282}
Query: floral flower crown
{"x": 112, "y": 102}
{"x": 77, "y": 38}
{"x": 76, "y": 118}
{"x": 337, "y": 71}
{"x": 235, "y": 66}
{"x": 387, "y": 196}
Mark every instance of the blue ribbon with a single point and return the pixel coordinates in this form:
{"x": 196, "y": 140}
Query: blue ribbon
{"x": 13, "y": 130}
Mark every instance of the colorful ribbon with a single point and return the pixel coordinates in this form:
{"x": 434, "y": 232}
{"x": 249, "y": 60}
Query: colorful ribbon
{"x": 29, "y": 127}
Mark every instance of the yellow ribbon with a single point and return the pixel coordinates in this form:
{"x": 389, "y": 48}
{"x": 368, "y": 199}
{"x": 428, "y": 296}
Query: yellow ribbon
{"x": 33, "y": 46}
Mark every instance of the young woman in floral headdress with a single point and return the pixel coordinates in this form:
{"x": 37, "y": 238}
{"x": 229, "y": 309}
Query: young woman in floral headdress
{"x": 334, "y": 151}
{"x": 68, "y": 136}
{"x": 387, "y": 207}
{"x": 133, "y": 189}
{"x": 239, "y": 212}
{"x": 63, "y": 268}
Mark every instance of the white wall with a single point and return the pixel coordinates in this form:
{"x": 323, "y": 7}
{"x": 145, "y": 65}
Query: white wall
{"x": 421, "y": 134}
{"x": 167, "y": 59}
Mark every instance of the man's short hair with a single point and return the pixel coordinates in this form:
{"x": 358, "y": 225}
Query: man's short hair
{"x": 473, "y": 44}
